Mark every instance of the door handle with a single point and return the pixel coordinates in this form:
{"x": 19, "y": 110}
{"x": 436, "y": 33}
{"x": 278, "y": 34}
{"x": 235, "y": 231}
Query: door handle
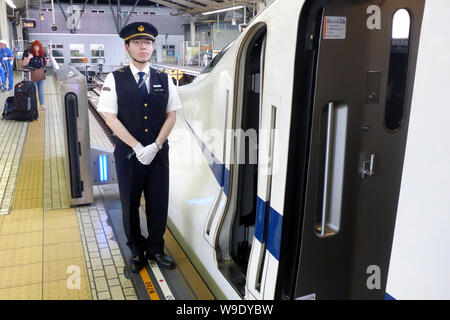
{"x": 328, "y": 153}
{"x": 368, "y": 166}
{"x": 329, "y": 207}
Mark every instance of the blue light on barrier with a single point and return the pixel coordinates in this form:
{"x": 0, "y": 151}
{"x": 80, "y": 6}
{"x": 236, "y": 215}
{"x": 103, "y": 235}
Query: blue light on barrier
{"x": 103, "y": 168}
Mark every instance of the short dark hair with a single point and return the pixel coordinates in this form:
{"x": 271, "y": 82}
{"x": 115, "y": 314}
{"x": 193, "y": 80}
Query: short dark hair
{"x": 127, "y": 42}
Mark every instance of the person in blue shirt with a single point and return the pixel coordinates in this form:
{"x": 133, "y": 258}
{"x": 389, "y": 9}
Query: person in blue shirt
{"x": 7, "y": 56}
{"x": 3, "y": 76}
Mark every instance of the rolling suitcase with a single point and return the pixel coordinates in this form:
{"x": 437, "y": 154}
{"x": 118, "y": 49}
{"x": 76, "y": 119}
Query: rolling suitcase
{"x": 25, "y": 102}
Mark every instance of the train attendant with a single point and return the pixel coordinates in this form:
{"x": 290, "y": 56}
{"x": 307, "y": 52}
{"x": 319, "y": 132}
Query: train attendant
{"x": 139, "y": 105}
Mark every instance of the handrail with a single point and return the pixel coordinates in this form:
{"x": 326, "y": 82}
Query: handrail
{"x": 55, "y": 64}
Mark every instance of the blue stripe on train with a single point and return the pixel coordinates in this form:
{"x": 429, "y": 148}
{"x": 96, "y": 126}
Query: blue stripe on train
{"x": 216, "y": 167}
{"x": 268, "y": 221}
{"x": 387, "y": 296}
{"x": 268, "y": 227}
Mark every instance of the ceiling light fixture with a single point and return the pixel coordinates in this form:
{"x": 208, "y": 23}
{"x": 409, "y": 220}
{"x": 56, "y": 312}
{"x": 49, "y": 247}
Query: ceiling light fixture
{"x": 11, "y": 4}
{"x": 222, "y": 10}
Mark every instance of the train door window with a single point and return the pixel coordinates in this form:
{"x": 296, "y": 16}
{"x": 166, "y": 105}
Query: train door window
{"x": 76, "y": 53}
{"x": 398, "y": 69}
{"x": 217, "y": 58}
{"x": 58, "y": 53}
{"x": 97, "y": 53}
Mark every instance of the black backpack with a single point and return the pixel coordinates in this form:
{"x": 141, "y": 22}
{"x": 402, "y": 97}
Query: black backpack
{"x": 25, "y": 102}
{"x": 8, "y": 108}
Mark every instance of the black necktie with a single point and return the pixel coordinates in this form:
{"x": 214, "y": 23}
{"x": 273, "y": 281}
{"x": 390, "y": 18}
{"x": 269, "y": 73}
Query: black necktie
{"x": 141, "y": 84}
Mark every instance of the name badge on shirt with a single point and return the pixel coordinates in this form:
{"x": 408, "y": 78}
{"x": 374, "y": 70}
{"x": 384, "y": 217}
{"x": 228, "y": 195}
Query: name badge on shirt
{"x": 157, "y": 88}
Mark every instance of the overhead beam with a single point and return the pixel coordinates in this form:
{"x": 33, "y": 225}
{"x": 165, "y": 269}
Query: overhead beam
{"x": 209, "y": 3}
{"x": 114, "y": 16}
{"x": 169, "y": 4}
{"x": 187, "y": 4}
{"x": 236, "y": 2}
{"x": 131, "y": 12}
{"x": 79, "y": 18}
{"x": 222, "y": 5}
{"x": 62, "y": 10}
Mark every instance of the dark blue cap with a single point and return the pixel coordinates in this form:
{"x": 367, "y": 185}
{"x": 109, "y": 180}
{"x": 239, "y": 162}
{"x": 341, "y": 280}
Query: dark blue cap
{"x": 139, "y": 30}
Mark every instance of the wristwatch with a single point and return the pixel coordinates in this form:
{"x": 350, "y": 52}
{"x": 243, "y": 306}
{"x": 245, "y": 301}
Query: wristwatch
{"x": 158, "y": 144}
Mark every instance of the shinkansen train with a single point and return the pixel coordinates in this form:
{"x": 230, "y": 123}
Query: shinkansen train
{"x": 310, "y": 159}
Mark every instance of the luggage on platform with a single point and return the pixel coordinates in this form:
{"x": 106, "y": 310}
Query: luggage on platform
{"x": 8, "y": 108}
{"x": 25, "y": 103}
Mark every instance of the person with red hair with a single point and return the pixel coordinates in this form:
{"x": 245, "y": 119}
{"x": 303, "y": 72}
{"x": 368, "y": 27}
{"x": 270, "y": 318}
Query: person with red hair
{"x": 36, "y": 60}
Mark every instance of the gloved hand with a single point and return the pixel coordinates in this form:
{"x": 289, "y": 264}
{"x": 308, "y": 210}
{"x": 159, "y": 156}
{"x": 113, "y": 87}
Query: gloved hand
{"x": 138, "y": 149}
{"x": 5, "y": 58}
{"x": 148, "y": 154}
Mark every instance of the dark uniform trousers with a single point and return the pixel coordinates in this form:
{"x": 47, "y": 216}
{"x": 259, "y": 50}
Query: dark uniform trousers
{"x": 135, "y": 178}
{"x": 143, "y": 118}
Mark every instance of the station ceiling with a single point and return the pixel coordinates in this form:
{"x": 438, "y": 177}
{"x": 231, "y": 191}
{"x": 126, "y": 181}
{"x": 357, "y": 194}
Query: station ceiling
{"x": 192, "y": 7}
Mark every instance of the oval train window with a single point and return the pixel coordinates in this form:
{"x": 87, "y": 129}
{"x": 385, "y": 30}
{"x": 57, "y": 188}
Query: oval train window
{"x": 401, "y": 24}
{"x": 398, "y": 70}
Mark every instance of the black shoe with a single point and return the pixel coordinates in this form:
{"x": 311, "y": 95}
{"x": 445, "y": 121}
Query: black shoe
{"x": 136, "y": 264}
{"x": 162, "y": 260}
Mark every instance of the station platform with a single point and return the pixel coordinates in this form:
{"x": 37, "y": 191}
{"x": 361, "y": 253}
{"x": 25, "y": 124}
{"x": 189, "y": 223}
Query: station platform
{"x": 192, "y": 70}
{"x": 52, "y": 251}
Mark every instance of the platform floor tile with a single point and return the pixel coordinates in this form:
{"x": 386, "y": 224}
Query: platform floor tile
{"x": 103, "y": 258}
{"x": 12, "y": 137}
{"x": 28, "y": 292}
{"x": 67, "y": 289}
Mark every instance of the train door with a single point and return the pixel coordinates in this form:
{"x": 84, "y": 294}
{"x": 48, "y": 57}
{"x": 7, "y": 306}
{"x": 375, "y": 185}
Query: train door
{"x": 238, "y": 228}
{"x": 350, "y": 122}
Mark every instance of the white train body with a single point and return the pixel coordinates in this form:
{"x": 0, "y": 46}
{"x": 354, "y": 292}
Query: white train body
{"x": 229, "y": 217}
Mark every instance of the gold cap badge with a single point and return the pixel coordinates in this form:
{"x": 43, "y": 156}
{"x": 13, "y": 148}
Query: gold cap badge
{"x": 141, "y": 28}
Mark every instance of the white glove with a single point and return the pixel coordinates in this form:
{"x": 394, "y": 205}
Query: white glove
{"x": 148, "y": 154}
{"x": 138, "y": 149}
{"x": 5, "y": 58}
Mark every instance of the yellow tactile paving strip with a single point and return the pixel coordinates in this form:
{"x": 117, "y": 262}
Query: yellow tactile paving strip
{"x": 41, "y": 253}
{"x": 55, "y": 187}
{"x": 29, "y": 187}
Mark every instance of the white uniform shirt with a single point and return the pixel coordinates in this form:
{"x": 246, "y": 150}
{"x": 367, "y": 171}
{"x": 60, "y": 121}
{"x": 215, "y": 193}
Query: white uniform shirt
{"x": 108, "y": 98}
